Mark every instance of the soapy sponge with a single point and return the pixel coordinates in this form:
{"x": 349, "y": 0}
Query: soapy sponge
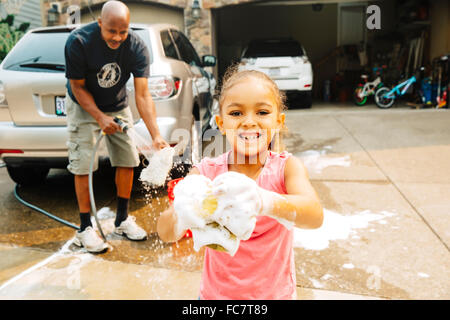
{"x": 159, "y": 166}
{"x": 219, "y": 221}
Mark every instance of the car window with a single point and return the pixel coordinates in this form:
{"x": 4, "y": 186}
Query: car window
{"x": 143, "y": 33}
{"x": 273, "y": 49}
{"x": 38, "y": 48}
{"x": 44, "y": 51}
{"x": 168, "y": 45}
{"x": 187, "y": 51}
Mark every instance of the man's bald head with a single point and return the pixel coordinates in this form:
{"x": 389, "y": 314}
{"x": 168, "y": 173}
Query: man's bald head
{"x": 115, "y": 10}
{"x": 114, "y": 22}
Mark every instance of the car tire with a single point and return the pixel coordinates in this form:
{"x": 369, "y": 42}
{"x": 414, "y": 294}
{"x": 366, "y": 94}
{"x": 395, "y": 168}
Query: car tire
{"x": 299, "y": 100}
{"x": 26, "y": 176}
{"x": 306, "y": 99}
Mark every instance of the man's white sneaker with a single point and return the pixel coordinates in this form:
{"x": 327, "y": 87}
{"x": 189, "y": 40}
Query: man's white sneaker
{"x": 130, "y": 229}
{"x": 90, "y": 240}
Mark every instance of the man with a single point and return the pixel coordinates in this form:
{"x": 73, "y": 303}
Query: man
{"x": 99, "y": 60}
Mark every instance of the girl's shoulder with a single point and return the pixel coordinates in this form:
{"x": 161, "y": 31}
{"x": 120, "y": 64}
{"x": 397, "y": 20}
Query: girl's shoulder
{"x": 295, "y": 170}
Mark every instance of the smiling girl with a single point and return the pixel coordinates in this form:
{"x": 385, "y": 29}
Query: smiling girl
{"x": 251, "y": 116}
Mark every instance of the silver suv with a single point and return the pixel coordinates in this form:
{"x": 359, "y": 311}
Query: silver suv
{"x": 33, "y": 131}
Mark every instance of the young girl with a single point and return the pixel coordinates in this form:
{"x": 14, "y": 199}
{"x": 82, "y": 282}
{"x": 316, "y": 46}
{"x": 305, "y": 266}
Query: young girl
{"x": 251, "y": 114}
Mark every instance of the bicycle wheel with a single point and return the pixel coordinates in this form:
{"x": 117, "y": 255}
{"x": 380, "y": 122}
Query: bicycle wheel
{"x": 380, "y": 99}
{"x": 357, "y": 99}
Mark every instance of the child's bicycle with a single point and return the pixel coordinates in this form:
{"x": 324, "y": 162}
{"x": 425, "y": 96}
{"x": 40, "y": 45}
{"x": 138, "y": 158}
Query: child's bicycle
{"x": 366, "y": 89}
{"x": 385, "y": 97}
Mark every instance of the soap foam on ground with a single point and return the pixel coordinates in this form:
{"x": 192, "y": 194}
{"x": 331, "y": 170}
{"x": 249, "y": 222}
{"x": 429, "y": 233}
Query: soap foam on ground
{"x": 316, "y": 161}
{"x": 335, "y": 227}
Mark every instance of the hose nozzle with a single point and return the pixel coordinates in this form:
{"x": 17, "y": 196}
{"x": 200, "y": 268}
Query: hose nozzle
{"x": 123, "y": 125}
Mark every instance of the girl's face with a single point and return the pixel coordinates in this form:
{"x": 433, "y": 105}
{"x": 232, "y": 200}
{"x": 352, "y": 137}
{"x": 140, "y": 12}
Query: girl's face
{"x": 250, "y": 116}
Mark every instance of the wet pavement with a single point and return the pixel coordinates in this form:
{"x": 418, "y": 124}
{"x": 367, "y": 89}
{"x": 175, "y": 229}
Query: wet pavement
{"x": 383, "y": 177}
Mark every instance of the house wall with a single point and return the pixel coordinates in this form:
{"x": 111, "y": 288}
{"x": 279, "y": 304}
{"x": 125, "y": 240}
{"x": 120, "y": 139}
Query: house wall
{"x": 147, "y": 13}
{"x": 28, "y": 11}
{"x": 440, "y": 28}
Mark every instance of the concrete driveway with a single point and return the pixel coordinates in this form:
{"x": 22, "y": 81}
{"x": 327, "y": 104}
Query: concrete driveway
{"x": 384, "y": 180}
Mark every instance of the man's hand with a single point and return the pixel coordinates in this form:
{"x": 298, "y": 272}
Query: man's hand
{"x": 108, "y": 125}
{"x": 159, "y": 143}
{"x": 147, "y": 111}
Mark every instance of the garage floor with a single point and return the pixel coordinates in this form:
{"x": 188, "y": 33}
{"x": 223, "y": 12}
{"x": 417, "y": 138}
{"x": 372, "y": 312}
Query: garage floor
{"x": 383, "y": 177}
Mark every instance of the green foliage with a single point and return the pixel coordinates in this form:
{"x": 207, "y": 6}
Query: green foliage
{"x": 9, "y": 35}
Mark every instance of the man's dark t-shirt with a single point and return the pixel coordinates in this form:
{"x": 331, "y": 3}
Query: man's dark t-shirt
{"x": 106, "y": 70}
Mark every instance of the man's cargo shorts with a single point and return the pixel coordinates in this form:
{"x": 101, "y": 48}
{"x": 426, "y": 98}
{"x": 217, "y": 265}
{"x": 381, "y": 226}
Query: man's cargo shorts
{"x": 83, "y": 132}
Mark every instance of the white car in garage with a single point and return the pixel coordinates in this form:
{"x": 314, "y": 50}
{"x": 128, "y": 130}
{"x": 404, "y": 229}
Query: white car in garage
{"x": 286, "y": 62}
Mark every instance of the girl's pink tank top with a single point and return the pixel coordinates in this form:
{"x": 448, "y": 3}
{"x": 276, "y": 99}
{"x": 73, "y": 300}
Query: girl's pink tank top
{"x": 263, "y": 267}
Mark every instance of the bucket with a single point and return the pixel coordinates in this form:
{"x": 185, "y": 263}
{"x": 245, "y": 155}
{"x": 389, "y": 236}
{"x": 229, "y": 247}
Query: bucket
{"x": 170, "y": 186}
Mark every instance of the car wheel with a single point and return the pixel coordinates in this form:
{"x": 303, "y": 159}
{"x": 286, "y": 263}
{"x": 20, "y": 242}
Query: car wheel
{"x": 26, "y": 176}
{"x": 300, "y": 99}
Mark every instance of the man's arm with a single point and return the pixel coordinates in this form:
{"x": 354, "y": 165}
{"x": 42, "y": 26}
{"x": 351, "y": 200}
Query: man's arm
{"x": 87, "y": 102}
{"x": 147, "y": 111}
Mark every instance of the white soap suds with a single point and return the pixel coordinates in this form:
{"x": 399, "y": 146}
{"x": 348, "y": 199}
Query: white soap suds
{"x": 189, "y": 194}
{"x": 316, "y": 284}
{"x": 335, "y": 227}
{"x": 158, "y": 167}
{"x": 105, "y": 213}
{"x": 316, "y": 161}
{"x": 213, "y": 234}
{"x": 423, "y": 275}
{"x": 326, "y": 277}
{"x": 218, "y": 213}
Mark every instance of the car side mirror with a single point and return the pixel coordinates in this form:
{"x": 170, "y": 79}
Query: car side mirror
{"x": 208, "y": 61}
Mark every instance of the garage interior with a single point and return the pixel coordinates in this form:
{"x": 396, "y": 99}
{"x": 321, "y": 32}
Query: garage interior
{"x": 340, "y": 46}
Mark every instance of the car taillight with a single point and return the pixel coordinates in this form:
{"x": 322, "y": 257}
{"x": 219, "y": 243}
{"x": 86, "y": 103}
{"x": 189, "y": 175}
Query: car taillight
{"x": 10, "y": 151}
{"x": 177, "y": 85}
{"x": 3, "y": 102}
{"x": 163, "y": 87}
{"x": 307, "y": 86}
{"x": 301, "y": 59}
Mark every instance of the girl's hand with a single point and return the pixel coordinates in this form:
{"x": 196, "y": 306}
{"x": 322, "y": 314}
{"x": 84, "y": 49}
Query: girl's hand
{"x": 244, "y": 197}
{"x": 167, "y": 226}
{"x": 239, "y": 203}
{"x": 239, "y": 185}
